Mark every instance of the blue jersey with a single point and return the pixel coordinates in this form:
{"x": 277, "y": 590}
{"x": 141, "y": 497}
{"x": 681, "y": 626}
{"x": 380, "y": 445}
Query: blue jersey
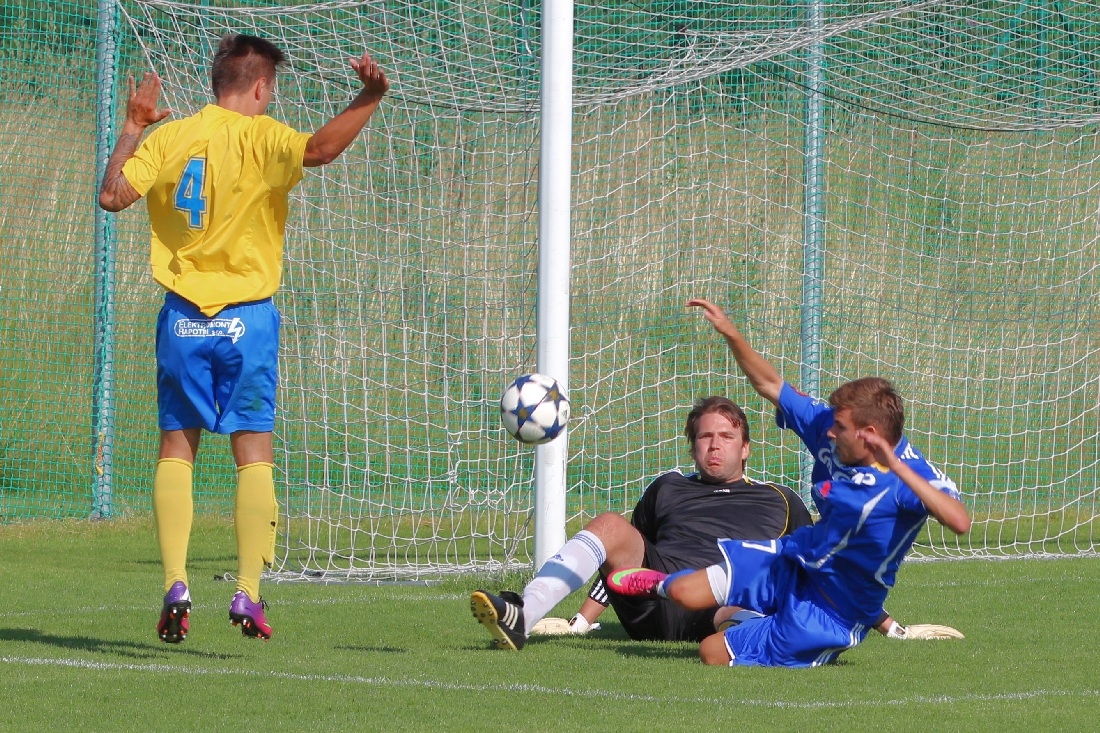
{"x": 869, "y": 517}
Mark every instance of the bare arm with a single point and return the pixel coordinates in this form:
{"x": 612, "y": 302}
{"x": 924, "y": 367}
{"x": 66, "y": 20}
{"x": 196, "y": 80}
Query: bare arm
{"x": 115, "y": 192}
{"x": 761, "y": 374}
{"x": 948, "y": 511}
{"x": 591, "y": 610}
{"x": 336, "y": 135}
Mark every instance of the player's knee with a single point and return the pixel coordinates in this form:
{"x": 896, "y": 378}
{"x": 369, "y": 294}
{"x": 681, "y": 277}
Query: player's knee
{"x": 713, "y": 651}
{"x": 622, "y": 543}
{"x": 602, "y": 523}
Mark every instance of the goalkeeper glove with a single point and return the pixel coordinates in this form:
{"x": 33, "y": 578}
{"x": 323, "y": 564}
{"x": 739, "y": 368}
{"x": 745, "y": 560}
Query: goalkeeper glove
{"x": 897, "y": 631}
{"x": 932, "y": 631}
{"x": 579, "y": 625}
{"x": 923, "y": 632}
{"x": 550, "y": 626}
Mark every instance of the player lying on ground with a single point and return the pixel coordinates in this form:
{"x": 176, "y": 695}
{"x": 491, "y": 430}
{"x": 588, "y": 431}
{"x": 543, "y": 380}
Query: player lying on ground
{"x": 586, "y": 619}
{"x": 815, "y": 592}
{"x": 216, "y": 185}
{"x": 675, "y": 525}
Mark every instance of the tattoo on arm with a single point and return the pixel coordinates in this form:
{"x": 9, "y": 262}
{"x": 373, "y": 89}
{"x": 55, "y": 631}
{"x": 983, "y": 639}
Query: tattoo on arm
{"x": 116, "y": 193}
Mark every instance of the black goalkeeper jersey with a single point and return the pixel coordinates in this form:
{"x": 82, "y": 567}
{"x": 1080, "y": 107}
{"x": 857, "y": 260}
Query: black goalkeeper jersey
{"x": 684, "y": 517}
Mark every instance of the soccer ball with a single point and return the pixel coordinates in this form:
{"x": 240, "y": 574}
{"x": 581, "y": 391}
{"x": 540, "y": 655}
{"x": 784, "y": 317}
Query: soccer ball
{"x": 534, "y": 409}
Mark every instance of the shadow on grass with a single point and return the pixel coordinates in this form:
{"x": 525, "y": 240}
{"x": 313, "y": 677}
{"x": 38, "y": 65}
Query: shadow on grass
{"x": 660, "y": 650}
{"x": 191, "y": 561}
{"x": 373, "y": 649}
{"x": 610, "y": 630}
{"x": 102, "y": 646}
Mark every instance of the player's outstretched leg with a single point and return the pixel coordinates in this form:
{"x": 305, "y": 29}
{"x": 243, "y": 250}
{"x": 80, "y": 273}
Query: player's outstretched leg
{"x": 636, "y": 582}
{"x": 502, "y": 615}
{"x": 173, "y": 625}
{"x": 249, "y": 615}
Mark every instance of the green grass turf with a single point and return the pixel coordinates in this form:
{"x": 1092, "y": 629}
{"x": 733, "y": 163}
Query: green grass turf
{"x": 79, "y": 602}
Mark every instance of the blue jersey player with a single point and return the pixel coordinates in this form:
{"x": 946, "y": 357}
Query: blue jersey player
{"x": 809, "y": 596}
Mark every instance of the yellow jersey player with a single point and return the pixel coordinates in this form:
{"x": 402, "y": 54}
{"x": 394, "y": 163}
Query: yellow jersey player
{"x": 216, "y": 185}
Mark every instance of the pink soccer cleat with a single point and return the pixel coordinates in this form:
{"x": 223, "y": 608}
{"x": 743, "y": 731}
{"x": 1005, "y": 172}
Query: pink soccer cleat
{"x": 250, "y": 616}
{"x": 173, "y": 625}
{"x": 636, "y": 582}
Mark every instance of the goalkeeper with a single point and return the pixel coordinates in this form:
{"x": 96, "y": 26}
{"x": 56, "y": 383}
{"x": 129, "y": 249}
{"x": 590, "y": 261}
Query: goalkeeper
{"x": 807, "y": 597}
{"x": 676, "y": 525}
{"x": 217, "y": 185}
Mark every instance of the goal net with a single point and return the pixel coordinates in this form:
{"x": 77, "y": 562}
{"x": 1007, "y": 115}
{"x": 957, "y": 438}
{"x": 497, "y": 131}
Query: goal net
{"x": 958, "y": 215}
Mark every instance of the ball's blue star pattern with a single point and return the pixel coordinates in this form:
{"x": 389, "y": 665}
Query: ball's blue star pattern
{"x": 534, "y": 409}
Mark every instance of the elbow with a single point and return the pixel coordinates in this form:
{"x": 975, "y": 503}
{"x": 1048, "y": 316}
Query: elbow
{"x": 319, "y": 160}
{"x": 959, "y": 524}
{"x": 962, "y": 526}
{"x": 769, "y": 389}
{"x": 107, "y": 202}
{"x": 320, "y": 155}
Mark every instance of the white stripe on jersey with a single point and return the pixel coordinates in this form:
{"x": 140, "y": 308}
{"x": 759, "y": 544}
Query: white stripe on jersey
{"x": 867, "y": 509}
{"x": 945, "y": 485}
{"x": 904, "y": 542}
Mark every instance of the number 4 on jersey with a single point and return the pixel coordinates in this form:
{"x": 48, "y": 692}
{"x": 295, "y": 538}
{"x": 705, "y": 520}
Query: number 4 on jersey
{"x": 189, "y": 196}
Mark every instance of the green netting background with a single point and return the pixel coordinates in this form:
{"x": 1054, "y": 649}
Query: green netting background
{"x": 47, "y": 118}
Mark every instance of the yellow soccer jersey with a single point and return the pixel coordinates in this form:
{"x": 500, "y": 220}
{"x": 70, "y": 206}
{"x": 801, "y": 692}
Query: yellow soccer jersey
{"x": 216, "y": 184}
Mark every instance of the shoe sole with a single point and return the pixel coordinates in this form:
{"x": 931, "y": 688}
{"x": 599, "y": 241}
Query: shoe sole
{"x": 486, "y": 614}
{"x": 249, "y": 627}
{"x": 171, "y": 629}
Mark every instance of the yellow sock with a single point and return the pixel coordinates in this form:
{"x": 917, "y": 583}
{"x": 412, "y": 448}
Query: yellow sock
{"x": 172, "y": 511}
{"x": 256, "y": 519}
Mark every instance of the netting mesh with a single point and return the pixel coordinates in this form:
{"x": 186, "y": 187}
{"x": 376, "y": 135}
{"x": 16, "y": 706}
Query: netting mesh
{"x": 960, "y": 233}
{"x": 47, "y": 135}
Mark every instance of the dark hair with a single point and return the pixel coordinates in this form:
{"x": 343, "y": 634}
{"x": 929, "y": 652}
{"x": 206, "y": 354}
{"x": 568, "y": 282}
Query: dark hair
{"x": 721, "y": 405}
{"x": 240, "y": 60}
{"x": 872, "y": 401}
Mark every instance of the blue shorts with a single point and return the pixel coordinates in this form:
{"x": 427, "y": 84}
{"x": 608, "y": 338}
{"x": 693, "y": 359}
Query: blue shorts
{"x": 797, "y": 630}
{"x": 217, "y": 373}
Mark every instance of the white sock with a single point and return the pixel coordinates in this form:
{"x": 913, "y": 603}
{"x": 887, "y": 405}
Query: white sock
{"x": 574, "y": 565}
{"x": 719, "y": 583}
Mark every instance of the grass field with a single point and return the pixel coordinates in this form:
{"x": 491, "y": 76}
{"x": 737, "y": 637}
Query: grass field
{"x": 79, "y": 601}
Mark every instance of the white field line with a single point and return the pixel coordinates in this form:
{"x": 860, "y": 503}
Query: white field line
{"x": 543, "y": 689}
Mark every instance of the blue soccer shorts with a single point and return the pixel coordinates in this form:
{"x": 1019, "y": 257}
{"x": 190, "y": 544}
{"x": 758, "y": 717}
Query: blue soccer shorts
{"x": 797, "y": 630}
{"x": 217, "y": 373}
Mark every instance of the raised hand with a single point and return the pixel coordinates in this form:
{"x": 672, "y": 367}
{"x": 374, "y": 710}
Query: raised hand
{"x": 761, "y": 374}
{"x": 141, "y": 109}
{"x": 715, "y": 315}
{"x": 880, "y": 449}
{"x": 371, "y": 74}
